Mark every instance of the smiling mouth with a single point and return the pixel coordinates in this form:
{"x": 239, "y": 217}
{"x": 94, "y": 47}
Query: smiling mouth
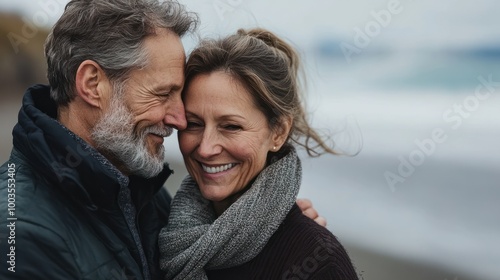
{"x": 158, "y": 135}
{"x": 217, "y": 169}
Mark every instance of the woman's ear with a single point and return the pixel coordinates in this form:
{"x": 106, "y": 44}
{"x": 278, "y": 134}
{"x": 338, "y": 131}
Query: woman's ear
{"x": 92, "y": 84}
{"x": 281, "y": 132}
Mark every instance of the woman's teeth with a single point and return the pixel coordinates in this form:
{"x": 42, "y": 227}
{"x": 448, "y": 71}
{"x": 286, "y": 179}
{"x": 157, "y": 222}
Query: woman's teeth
{"x": 217, "y": 169}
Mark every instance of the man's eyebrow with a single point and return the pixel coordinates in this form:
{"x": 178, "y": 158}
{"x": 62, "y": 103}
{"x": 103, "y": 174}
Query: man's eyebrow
{"x": 166, "y": 87}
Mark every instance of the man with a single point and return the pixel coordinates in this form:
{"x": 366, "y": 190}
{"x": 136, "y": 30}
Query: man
{"x": 81, "y": 195}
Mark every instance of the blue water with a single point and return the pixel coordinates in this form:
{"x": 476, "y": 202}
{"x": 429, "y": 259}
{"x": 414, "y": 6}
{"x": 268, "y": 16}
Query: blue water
{"x": 446, "y": 71}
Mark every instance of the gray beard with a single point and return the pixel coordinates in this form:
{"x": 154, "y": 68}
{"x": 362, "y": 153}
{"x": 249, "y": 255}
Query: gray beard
{"x": 114, "y": 136}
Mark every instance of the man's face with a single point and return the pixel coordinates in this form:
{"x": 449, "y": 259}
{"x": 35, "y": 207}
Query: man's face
{"x": 145, "y": 109}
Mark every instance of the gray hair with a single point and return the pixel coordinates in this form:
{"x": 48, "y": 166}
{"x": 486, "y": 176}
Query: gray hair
{"x": 109, "y": 32}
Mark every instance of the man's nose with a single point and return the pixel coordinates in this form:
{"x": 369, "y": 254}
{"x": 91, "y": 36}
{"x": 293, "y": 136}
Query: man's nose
{"x": 175, "y": 115}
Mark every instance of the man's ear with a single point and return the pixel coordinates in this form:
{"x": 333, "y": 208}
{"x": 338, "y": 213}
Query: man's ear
{"x": 92, "y": 84}
{"x": 280, "y": 133}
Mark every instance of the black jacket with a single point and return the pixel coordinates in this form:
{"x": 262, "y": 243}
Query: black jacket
{"x": 67, "y": 213}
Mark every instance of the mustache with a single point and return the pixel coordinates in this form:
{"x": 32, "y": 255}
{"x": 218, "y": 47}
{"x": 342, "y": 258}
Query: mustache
{"x": 163, "y": 131}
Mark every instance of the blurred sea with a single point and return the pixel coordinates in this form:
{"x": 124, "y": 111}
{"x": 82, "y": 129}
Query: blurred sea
{"x": 443, "y": 209}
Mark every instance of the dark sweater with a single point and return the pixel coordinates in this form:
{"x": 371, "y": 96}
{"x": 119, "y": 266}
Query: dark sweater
{"x": 299, "y": 249}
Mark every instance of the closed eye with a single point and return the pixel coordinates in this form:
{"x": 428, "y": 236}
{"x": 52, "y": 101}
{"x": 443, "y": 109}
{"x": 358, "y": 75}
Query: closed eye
{"x": 163, "y": 94}
{"x": 193, "y": 125}
{"x": 232, "y": 127}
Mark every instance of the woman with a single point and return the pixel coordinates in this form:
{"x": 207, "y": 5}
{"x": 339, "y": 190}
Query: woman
{"x": 235, "y": 216}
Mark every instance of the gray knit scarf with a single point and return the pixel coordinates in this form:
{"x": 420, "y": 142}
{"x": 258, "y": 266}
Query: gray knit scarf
{"x": 196, "y": 239}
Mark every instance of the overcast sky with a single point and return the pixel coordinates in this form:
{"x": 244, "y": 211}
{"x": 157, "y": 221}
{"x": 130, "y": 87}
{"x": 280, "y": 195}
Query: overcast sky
{"x": 424, "y": 24}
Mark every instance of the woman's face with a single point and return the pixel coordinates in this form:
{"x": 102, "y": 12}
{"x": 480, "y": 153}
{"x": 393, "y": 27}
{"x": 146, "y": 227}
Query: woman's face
{"x": 227, "y": 138}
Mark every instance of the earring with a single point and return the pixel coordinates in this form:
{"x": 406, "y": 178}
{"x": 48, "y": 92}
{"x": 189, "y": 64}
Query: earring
{"x": 274, "y": 148}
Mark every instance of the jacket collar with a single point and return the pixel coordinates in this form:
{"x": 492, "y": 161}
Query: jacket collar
{"x": 68, "y": 162}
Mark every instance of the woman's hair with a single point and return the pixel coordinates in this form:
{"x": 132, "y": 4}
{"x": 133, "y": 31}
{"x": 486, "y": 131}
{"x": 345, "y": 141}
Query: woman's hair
{"x": 268, "y": 68}
{"x": 109, "y": 32}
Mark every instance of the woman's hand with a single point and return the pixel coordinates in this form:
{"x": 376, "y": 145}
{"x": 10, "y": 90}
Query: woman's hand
{"x": 307, "y": 209}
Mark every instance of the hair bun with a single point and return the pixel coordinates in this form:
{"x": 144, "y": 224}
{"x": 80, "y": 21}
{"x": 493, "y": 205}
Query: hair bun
{"x": 274, "y": 41}
{"x": 262, "y": 34}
